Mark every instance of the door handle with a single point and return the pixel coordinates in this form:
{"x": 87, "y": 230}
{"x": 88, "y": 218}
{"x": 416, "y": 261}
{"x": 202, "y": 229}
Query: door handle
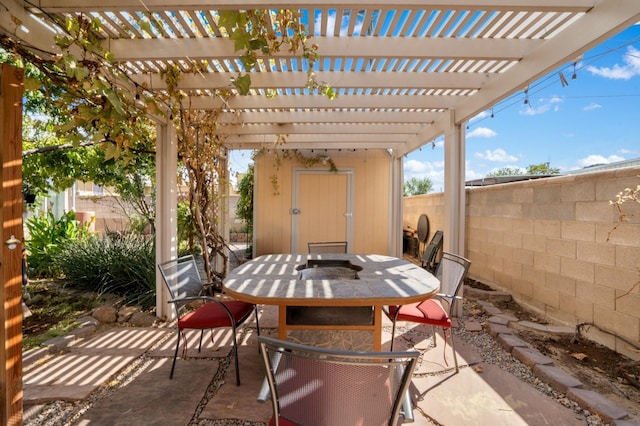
{"x": 295, "y": 211}
{"x": 348, "y": 214}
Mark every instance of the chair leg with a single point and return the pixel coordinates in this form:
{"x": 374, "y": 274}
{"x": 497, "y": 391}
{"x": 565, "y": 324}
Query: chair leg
{"x": 175, "y": 355}
{"x": 393, "y": 334}
{"x": 200, "y": 343}
{"x": 235, "y": 353}
{"x": 453, "y": 349}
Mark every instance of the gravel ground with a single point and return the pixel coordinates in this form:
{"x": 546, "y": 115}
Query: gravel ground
{"x": 61, "y": 413}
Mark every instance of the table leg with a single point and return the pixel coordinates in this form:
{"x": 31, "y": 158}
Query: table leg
{"x": 377, "y": 328}
{"x": 282, "y": 322}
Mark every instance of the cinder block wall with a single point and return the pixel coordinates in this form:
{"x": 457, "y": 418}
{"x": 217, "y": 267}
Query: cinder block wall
{"x": 558, "y": 247}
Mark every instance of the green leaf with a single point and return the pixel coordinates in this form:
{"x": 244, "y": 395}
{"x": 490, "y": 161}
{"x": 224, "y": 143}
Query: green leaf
{"x": 242, "y": 40}
{"x": 243, "y": 84}
{"x": 145, "y": 26}
{"x": 115, "y": 101}
{"x": 248, "y": 61}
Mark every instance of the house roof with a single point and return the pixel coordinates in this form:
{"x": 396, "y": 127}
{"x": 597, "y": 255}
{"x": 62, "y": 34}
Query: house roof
{"x": 399, "y": 67}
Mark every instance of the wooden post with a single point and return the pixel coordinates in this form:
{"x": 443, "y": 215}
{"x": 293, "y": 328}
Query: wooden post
{"x": 11, "y": 88}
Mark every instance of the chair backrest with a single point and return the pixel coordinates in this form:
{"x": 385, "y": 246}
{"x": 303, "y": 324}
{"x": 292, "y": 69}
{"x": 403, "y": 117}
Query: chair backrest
{"x": 181, "y": 277}
{"x": 315, "y": 386}
{"x": 451, "y": 272}
{"x": 328, "y": 247}
{"x": 430, "y": 253}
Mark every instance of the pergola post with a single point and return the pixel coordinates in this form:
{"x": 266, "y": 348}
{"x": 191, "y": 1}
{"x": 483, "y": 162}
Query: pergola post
{"x": 166, "y": 209}
{"x": 396, "y": 193}
{"x": 454, "y": 178}
{"x": 11, "y": 89}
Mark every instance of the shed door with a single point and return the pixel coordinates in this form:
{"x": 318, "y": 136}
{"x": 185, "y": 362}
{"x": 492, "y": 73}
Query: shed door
{"x": 322, "y": 206}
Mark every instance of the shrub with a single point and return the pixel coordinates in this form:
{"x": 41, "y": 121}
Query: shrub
{"x": 123, "y": 265}
{"x": 47, "y": 237}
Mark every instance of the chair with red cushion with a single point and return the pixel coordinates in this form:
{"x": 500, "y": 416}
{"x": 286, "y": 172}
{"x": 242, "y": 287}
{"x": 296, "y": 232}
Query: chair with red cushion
{"x": 198, "y": 308}
{"x": 314, "y": 386}
{"x": 436, "y": 312}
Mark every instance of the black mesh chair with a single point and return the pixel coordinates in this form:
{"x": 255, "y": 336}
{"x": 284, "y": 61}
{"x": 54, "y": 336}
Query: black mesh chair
{"x": 324, "y": 387}
{"x": 430, "y": 253}
{"x": 436, "y": 311}
{"x": 328, "y": 247}
{"x": 197, "y": 308}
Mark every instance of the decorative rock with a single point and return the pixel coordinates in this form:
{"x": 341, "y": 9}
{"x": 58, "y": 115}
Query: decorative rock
{"x": 125, "y": 313}
{"x": 81, "y": 332}
{"x": 105, "y": 314}
{"x": 142, "y": 319}
{"x": 87, "y": 321}
{"x": 59, "y": 343}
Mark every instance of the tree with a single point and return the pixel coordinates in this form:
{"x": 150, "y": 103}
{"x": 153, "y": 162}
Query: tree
{"x": 415, "y": 186}
{"x": 244, "y": 209}
{"x": 542, "y": 169}
{"x": 506, "y": 171}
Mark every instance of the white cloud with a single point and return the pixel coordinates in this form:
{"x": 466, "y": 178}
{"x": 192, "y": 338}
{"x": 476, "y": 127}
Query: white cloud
{"x": 482, "y": 132}
{"x": 629, "y": 69}
{"x": 592, "y": 106}
{"x": 541, "y": 105}
{"x": 592, "y": 160}
{"x": 497, "y": 154}
{"x": 434, "y": 170}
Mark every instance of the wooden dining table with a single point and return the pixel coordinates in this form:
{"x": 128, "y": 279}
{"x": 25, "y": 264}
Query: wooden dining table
{"x": 330, "y": 281}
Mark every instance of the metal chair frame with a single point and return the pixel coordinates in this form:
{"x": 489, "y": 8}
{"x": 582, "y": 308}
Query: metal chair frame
{"x": 186, "y": 288}
{"x": 288, "y": 362}
{"x": 451, "y": 272}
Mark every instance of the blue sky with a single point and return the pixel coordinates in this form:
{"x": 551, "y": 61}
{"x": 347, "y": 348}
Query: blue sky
{"x": 592, "y": 120}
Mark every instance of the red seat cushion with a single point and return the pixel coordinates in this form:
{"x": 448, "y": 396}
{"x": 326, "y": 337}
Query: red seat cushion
{"x": 426, "y": 312}
{"x": 212, "y": 315}
{"x": 282, "y": 422}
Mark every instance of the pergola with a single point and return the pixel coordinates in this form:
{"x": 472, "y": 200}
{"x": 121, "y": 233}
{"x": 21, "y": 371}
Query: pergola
{"x": 406, "y": 72}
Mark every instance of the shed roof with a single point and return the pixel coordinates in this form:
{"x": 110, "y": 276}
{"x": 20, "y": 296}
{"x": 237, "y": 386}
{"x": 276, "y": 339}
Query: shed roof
{"x": 399, "y": 67}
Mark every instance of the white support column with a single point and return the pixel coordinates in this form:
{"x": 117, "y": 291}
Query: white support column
{"x": 166, "y": 209}
{"x": 454, "y": 188}
{"x": 395, "y": 206}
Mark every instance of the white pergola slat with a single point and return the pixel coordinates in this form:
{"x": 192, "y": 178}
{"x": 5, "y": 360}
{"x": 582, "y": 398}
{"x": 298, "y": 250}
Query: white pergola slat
{"x": 407, "y": 65}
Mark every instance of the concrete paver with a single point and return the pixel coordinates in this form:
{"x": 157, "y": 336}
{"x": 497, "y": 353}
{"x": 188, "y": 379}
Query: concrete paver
{"x": 153, "y": 399}
{"x": 73, "y": 375}
{"x": 480, "y": 394}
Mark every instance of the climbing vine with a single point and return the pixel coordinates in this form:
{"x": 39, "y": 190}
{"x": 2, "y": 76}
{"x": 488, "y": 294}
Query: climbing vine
{"x": 96, "y": 100}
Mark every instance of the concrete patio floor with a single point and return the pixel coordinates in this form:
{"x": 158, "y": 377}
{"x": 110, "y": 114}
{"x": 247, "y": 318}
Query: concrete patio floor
{"x": 203, "y": 390}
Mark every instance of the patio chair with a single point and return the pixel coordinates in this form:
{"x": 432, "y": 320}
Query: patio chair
{"x": 316, "y": 386}
{"x": 430, "y": 253}
{"x": 197, "y": 308}
{"x": 436, "y": 311}
{"x": 328, "y": 247}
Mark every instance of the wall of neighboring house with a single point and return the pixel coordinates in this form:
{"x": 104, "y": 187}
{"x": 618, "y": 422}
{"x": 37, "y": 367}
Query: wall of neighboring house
{"x": 558, "y": 247}
{"x": 273, "y": 222}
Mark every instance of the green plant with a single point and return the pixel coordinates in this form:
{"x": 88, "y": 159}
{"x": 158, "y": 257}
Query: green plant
{"x": 123, "y": 265}
{"x": 47, "y": 236}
